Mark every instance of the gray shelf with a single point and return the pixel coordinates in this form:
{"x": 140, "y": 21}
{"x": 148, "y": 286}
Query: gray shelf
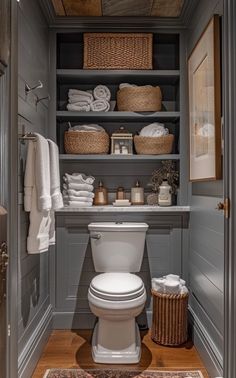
{"x": 88, "y": 76}
{"x": 116, "y": 115}
{"x": 118, "y": 158}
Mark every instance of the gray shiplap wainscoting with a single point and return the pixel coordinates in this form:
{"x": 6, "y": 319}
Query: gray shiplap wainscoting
{"x": 34, "y": 308}
{"x": 206, "y": 255}
{"x": 74, "y": 265}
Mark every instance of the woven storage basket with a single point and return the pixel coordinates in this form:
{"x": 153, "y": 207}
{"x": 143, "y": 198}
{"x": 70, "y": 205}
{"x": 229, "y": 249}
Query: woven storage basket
{"x": 169, "y": 320}
{"x": 86, "y": 142}
{"x": 139, "y": 99}
{"x": 153, "y": 145}
{"x": 118, "y": 51}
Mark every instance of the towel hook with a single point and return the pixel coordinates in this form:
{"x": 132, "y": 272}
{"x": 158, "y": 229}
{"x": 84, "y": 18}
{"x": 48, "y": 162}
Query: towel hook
{"x": 29, "y": 89}
{"x": 41, "y": 99}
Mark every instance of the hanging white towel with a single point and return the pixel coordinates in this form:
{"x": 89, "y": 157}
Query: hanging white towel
{"x": 42, "y": 173}
{"x": 55, "y": 191}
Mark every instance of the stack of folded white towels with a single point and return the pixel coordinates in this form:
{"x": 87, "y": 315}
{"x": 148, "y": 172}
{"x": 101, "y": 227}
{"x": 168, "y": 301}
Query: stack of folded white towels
{"x": 170, "y": 284}
{"x": 96, "y": 100}
{"x": 78, "y": 190}
{"x": 154, "y": 130}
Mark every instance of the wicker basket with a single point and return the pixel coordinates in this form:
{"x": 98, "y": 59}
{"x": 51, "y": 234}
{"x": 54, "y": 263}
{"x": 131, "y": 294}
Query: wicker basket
{"x": 139, "y": 99}
{"x": 153, "y": 145}
{"x": 86, "y": 142}
{"x": 118, "y": 51}
{"x": 169, "y": 321}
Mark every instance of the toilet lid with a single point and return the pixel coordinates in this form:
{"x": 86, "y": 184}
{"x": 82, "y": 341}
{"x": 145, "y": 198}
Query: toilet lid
{"x": 117, "y": 286}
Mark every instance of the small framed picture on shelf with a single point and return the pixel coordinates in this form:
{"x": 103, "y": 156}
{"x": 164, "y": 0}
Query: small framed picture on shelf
{"x": 122, "y": 142}
{"x": 205, "y": 105}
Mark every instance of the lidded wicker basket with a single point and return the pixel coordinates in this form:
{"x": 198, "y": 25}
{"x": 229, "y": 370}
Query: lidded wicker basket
{"x": 139, "y": 99}
{"x": 169, "y": 320}
{"x": 86, "y": 142}
{"x": 153, "y": 145}
{"x": 118, "y": 51}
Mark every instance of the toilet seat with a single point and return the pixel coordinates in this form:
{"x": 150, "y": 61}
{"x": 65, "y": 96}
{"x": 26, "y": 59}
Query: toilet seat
{"x": 117, "y": 286}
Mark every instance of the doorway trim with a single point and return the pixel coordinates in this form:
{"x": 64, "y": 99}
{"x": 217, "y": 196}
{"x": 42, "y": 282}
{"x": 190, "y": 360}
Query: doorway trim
{"x": 229, "y": 88}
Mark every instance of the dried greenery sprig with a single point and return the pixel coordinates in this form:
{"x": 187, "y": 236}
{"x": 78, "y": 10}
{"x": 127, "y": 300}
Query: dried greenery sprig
{"x": 167, "y": 171}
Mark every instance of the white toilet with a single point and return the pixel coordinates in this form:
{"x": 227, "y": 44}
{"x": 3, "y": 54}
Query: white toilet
{"x": 117, "y": 296}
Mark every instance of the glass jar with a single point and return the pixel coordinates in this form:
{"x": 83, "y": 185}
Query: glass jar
{"x": 120, "y": 193}
{"x": 164, "y": 195}
{"x": 101, "y": 195}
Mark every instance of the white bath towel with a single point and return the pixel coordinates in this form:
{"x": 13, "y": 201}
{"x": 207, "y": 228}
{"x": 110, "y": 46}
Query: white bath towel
{"x": 79, "y": 107}
{"x": 100, "y": 106}
{"x": 73, "y": 185}
{"x": 36, "y": 196}
{"x": 80, "y": 198}
{"x": 79, "y": 204}
{"x": 170, "y": 284}
{"x": 78, "y": 92}
{"x": 90, "y": 127}
{"x": 102, "y": 92}
{"x": 154, "y": 130}
{"x": 80, "y": 193}
{"x": 79, "y": 178}
{"x": 125, "y": 85}
{"x": 55, "y": 191}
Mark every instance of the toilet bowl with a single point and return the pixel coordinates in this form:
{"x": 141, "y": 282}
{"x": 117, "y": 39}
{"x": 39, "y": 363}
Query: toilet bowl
{"x": 117, "y": 296}
{"x": 116, "y": 336}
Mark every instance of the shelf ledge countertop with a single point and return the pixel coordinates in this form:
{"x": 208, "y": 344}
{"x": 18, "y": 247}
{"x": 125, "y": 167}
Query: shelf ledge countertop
{"x": 126, "y": 209}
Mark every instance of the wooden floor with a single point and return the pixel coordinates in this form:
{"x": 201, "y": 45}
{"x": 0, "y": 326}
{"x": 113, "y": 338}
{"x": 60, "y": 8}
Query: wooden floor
{"x": 71, "y": 349}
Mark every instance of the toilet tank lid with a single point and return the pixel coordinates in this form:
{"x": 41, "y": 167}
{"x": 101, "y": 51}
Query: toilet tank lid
{"x": 118, "y": 226}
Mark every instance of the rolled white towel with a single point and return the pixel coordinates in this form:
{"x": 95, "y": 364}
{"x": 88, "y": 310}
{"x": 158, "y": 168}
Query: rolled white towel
{"x": 79, "y": 107}
{"x": 91, "y": 127}
{"x": 100, "y": 106}
{"x": 73, "y": 185}
{"x": 78, "y": 92}
{"x": 172, "y": 287}
{"x": 154, "y": 130}
{"x": 79, "y": 178}
{"x": 79, "y": 204}
{"x": 102, "y": 92}
{"x": 80, "y": 193}
{"x": 80, "y": 98}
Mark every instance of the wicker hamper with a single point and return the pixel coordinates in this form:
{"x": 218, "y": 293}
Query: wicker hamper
{"x": 118, "y": 51}
{"x": 139, "y": 99}
{"x": 86, "y": 142}
{"x": 153, "y": 145}
{"x": 169, "y": 323}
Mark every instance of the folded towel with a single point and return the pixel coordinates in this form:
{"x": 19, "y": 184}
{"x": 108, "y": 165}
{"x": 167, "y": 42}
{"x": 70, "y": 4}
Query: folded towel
{"x": 80, "y": 198}
{"x": 79, "y": 107}
{"x": 90, "y": 127}
{"x": 100, "y": 106}
{"x": 154, "y": 130}
{"x": 77, "y": 92}
{"x": 79, "y": 204}
{"x": 79, "y": 193}
{"x": 55, "y": 191}
{"x": 102, "y": 92}
{"x": 170, "y": 284}
{"x": 79, "y": 178}
{"x": 80, "y": 98}
{"x": 73, "y": 185}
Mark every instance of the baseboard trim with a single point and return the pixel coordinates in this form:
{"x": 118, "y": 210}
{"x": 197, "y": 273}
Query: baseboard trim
{"x": 35, "y": 344}
{"x": 210, "y": 355}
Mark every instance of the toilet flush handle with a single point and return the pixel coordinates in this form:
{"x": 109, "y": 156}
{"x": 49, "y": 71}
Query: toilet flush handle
{"x": 96, "y": 236}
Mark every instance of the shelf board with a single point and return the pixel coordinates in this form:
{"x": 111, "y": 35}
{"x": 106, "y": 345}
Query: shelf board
{"x": 118, "y": 158}
{"x": 65, "y": 115}
{"x": 114, "y": 76}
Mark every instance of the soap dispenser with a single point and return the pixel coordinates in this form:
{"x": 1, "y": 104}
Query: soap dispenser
{"x": 101, "y": 195}
{"x": 137, "y": 194}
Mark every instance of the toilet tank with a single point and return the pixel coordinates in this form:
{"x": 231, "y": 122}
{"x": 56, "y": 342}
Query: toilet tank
{"x": 117, "y": 247}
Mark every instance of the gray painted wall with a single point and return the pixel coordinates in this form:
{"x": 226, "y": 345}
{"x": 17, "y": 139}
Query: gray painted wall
{"x": 206, "y": 254}
{"x": 33, "y": 285}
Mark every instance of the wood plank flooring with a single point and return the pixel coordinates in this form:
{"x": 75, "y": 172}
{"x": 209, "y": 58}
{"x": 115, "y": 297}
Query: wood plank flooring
{"x": 71, "y": 349}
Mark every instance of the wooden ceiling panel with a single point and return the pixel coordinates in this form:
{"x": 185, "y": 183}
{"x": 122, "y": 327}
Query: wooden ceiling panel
{"x": 59, "y": 8}
{"x": 82, "y": 8}
{"x": 126, "y": 7}
{"x": 167, "y": 8}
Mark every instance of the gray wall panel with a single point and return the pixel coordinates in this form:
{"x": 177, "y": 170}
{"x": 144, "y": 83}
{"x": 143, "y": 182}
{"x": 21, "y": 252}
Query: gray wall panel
{"x": 33, "y": 284}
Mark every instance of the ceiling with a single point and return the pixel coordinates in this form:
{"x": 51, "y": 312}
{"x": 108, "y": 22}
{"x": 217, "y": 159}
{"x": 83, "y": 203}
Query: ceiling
{"x": 96, "y": 8}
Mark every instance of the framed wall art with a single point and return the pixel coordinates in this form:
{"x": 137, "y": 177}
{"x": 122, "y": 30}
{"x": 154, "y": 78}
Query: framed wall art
{"x": 205, "y": 105}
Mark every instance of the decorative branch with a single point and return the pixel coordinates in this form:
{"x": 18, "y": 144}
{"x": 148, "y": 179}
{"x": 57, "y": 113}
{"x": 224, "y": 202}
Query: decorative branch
{"x": 166, "y": 172}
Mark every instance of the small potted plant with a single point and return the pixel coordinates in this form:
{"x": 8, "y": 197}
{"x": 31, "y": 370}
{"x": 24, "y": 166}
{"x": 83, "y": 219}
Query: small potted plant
{"x": 165, "y": 173}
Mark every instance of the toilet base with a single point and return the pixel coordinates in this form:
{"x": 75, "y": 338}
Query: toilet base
{"x": 106, "y": 349}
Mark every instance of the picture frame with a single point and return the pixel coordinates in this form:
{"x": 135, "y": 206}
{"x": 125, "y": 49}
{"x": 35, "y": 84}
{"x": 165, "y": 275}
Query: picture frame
{"x": 205, "y": 105}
